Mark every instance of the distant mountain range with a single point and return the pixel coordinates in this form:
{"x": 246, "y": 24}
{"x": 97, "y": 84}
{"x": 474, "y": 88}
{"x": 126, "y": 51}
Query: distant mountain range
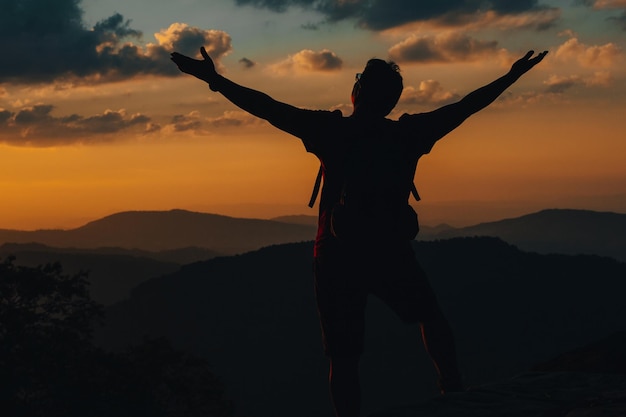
{"x": 169, "y": 230}
{"x": 125, "y": 249}
{"x": 253, "y": 317}
{"x": 548, "y": 231}
{"x": 552, "y": 231}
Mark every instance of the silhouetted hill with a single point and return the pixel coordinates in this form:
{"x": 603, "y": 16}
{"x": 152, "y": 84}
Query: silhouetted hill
{"x": 605, "y": 356}
{"x": 533, "y": 394}
{"x": 298, "y": 219}
{"x": 179, "y": 256}
{"x": 554, "y": 231}
{"x": 253, "y": 317}
{"x": 587, "y": 381}
{"x": 113, "y": 272}
{"x": 169, "y": 230}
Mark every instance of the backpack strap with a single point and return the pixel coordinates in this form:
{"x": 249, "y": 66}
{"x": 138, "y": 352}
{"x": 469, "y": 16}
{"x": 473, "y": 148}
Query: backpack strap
{"x": 318, "y": 183}
{"x": 414, "y": 192}
{"x": 316, "y": 187}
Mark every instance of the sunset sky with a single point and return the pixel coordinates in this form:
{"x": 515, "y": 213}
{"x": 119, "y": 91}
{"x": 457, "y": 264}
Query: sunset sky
{"x": 95, "y": 118}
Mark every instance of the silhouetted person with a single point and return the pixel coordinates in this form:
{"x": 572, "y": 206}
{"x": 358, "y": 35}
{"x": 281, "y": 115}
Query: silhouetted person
{"x": 363, "y": 243}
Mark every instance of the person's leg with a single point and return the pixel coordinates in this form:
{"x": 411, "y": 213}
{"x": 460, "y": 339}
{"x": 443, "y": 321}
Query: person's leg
{"x": 406, "y": 289}
{"x": 439, "y": 343}
{"x": 345, "y": 388}
{"x": 341, "y": 306}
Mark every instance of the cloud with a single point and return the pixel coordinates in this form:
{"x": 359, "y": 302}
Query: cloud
{"x": 593, "y": 56}
{"x": 247, "y": 63}
{"x": 185, "y": 122}
{"x": 195, "y": 123}
{"x": 36, "y": 126}
{"x": 428, "y": 92}
{"x": 384, "y": 14}
{"x": 619, "y": 20}
{"x": 560, "y": 84}
{"x": 443, "y": 48}
{"x": 47, "y": 41}
{"x": 310, "y": 61}
{"x": 608, "y": 4}
{"x": 187, "y": 40}
{"x": 539, "y": 19}
{"x": 310, "y": 26}
{"x": 5, "y": 115}
{"x": 234, "y": 119}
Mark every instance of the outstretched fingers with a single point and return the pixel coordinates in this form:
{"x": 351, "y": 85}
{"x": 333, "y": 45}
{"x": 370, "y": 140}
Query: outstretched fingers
{"x": 525, "y": 63}
{"x": 539, "y": 57}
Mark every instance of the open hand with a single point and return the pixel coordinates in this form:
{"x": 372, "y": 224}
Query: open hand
{"x": 525, "y": 63}
{"x": 203, "y": 69}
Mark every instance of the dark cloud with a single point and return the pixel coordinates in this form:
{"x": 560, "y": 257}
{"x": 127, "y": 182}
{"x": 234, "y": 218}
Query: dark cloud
{"x": 36, "y": 126}
{"x": 448, "y": 48}
{"x": 561, "y": 85}
{"x": 310, "y": 26}
{"x": 619, "y": 20}
{"x": 5, "y": 115}
{"x": 196, "y": 124}
{"x": 44, "y": 41}
{"x": 384, "y": 14}
{"x": 234, "y": 119}
{"x": 276, "y": 5}
{"x": 609, "y": 4}
{"x": 185, "y": 122}
{"x": 247, "y": 63}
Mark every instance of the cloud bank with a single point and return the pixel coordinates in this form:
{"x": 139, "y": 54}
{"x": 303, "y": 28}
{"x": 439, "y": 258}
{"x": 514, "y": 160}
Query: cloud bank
{"x": 44, "y": 41}
{"x": 589, "y": 56}
{"x": 444, "y": 48}
{"x": 37, "y": 126}
{"x": 385, "y": 14}
{"x": 560, "y": 84}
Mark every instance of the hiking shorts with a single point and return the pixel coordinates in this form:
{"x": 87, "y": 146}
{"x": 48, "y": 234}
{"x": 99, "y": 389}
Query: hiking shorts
{"x": 344, "y": 277}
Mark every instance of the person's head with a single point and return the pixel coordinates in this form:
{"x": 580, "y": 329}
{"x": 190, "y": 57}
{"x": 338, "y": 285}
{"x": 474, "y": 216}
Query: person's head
{"x": 377, "y": 89}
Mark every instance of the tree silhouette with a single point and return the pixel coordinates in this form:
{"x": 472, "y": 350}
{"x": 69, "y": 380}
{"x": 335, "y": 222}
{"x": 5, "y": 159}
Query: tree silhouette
{"x": 50, "y": 367}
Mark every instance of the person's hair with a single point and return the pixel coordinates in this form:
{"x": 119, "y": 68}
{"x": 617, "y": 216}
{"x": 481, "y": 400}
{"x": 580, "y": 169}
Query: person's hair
{"x": 383, "y": 83}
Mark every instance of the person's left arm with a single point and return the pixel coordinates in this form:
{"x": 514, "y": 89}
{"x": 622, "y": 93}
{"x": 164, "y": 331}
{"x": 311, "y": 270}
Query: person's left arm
{"x": 286, "y": 117}
{"x": 445, "y": 119}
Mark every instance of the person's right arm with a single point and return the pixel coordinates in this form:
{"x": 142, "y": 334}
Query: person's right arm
{"x": 445, "y": 119}
{"x": 284, "y": 116}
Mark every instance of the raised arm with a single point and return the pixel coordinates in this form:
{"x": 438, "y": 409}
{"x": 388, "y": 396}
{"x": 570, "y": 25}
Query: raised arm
{"x": 482, "y": 97}
{"x": 445, "y": 119}
{"x": 254, "y": 102}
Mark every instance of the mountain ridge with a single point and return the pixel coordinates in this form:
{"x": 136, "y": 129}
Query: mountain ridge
{"x": 567, "y": 231}
{"x": 253, "y": 317}
{"x": 168, "y": 230}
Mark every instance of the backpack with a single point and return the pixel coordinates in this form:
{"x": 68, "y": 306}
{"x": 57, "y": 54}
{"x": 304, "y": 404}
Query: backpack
{"x": 348, "y": 223}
